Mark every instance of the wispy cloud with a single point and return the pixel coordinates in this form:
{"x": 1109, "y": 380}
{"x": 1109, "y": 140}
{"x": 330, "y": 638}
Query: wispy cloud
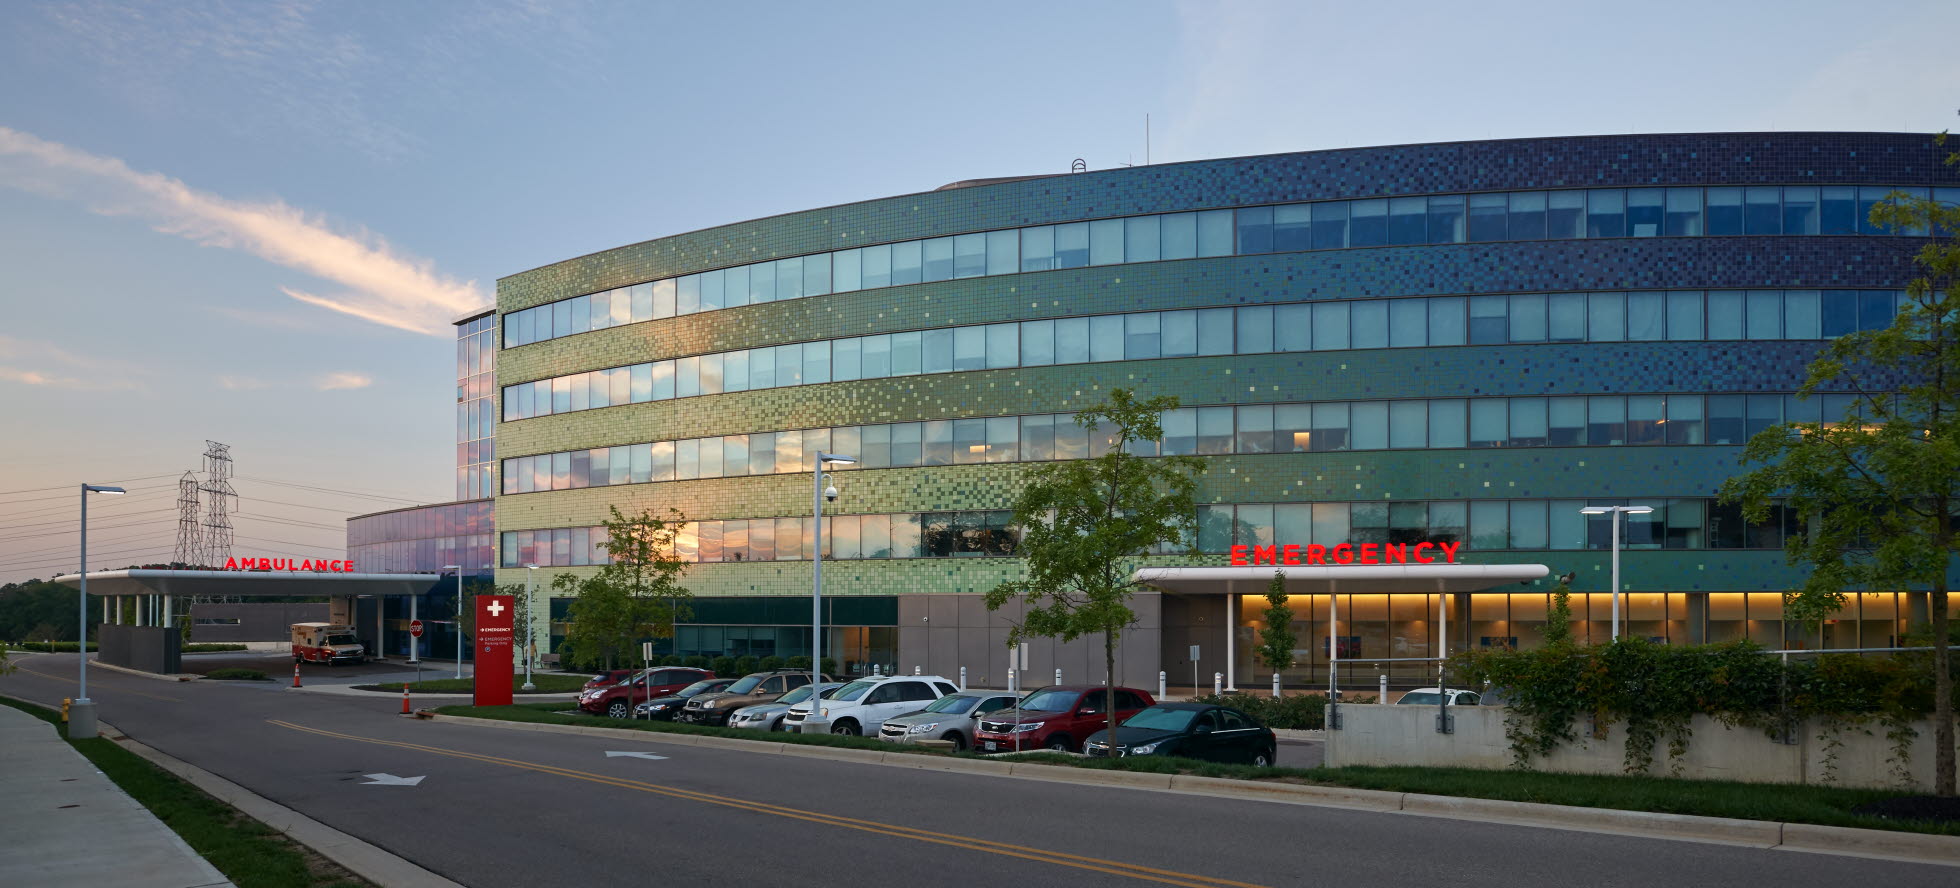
{"x": 384, "y": 286}
{"x": 333, "y": 381}
{"x": 30, "y": 362}
{"x": 242, "y": 383}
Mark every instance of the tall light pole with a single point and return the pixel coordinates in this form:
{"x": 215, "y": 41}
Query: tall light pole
{"x": 81, "y": 713}
{"x": 459, "y": 616}
{"x": 1616, "y": 512}
{"x": 818, "y": 495}
{"x": 530, "y": 622}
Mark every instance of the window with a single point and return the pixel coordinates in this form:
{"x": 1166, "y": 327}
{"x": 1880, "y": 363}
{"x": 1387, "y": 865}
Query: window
{"x": 1487, "y": 217}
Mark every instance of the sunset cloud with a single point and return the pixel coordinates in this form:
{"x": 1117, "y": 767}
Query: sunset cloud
{"x": 333, "y": 381}
{"x": 382, "y": 285}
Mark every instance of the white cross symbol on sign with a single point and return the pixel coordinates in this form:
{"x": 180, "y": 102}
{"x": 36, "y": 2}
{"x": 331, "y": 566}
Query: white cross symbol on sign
{"x": 496, "y": 608}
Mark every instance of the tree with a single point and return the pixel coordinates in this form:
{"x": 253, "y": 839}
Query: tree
{"x": 1879, "y": 487}
{"x": 636, "y": 594}
{"x": 1276, "y": 638}
{"x": 520, "y": 612}
{"x": 1558, "y": 614}
{"x": 1086, "y": 523}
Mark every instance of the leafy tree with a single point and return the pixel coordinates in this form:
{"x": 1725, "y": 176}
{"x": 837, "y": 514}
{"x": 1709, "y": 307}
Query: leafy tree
{"x": 1276, "y": 638}
{"x": 521, "y": 606}
{"x": 1085, "y": 525}
{"x": 1558, "y": 614}
{"x": 1879, "y": 488}
{"x": 637, "y": 594}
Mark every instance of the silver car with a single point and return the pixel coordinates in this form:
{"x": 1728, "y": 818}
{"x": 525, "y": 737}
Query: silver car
{"x": 948, "y": 718}
{"x": 769, "y": 716}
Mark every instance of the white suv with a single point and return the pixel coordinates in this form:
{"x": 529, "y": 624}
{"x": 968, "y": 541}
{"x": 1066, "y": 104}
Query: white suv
{"x": 867, "y": 702}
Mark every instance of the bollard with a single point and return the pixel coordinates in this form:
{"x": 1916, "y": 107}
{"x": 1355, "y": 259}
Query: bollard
{"x": 1383, "y": 696}
{"x": 918, "y": 670}
{"x": 1217, "y": 683}
{"x": 1058, "y": 675}
{"x": 295, "y": 673}
{"x": 405, "y": 709}
{"x": 1160, "y": 684}
{"x": 962, "y": 678}
{"x": 1010, "y": 679}
{"x": 1275, "y": 685}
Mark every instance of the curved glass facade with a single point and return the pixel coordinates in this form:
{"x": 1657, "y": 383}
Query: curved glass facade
{"x": 1469, "y": 341}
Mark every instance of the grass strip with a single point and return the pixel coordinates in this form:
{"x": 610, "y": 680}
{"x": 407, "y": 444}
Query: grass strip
{"x": 1775, "y": 802}
{"x": 548, "y": 683}
{"x": 249, "y": 853}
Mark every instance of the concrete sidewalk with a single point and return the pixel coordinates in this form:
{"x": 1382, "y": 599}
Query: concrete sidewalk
{"x": 68, "y": 824}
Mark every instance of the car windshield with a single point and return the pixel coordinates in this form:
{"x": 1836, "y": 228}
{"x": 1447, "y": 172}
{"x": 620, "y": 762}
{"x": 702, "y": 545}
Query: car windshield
{"x": 341, "y": 639}
{"x": 853, "y": 690}
{"x": 746, "y": 684}
{"x": 953, "y": 704}
{"x": 1429, "y": 697}
{"x": 1049, "y": 701}
{"x": 797, "y": 696}
{"x": 696, "y": 688}
{"x": 1161, "y": 718}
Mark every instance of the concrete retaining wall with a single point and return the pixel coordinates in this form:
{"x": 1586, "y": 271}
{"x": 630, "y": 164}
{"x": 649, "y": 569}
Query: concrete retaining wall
{"x": 149, "y": 648}
{"x": 1406, "y": 735}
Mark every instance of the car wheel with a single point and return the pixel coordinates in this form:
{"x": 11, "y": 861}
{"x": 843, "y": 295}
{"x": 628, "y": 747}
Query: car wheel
{"x": 618, "y": 710}
{"x": 846, "y": 727}
{"x": 957, "y": 739}
{"x": 1262, "y": 759}
{"x": 776, "y": 725}
{"x": 1059, "y": 743}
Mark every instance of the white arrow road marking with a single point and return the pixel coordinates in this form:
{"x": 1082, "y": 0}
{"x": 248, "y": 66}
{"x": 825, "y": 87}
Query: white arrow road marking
{"x": 639, "y": 755}
{"x": 391, "y": 780}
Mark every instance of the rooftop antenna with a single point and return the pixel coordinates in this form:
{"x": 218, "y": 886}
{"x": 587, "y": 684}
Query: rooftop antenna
{"x": 1146, "y": 138}
{"x": 1079, "y": 166}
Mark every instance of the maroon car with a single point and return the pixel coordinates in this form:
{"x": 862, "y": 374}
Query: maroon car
{"x": 608, "y": 678}
{"x": 1057, "y": 717}
{"x": 618, "y": 700}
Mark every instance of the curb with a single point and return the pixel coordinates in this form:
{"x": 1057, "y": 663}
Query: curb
{"x": 367, "y": 861}
{"x": 157, "y": 676}
{"x": 1849, "y": 841}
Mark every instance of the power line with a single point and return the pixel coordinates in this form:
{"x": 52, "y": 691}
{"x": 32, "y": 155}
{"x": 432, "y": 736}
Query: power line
{"x": 63, "y": 547}
{"x": 76, "y": 488}
{"x": 294, "y": 522}
{"x": 373, "y": 496}
{"x": 77, "y": 521}
{"x": 50, "y": 533}
{"x": 135, "y": 492}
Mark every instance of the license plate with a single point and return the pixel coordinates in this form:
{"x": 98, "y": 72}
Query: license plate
{"x": 991, "y": 745}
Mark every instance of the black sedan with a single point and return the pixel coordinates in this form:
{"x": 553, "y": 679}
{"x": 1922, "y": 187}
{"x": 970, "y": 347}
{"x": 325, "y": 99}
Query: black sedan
{"x": 665, "y": 708}
{"x": 1191, "y": 730}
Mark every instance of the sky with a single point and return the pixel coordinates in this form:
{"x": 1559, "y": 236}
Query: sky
{"x": 252, "y": 222}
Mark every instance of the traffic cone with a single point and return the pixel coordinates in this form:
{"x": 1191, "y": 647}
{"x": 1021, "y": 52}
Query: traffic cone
{"x": 405, "y": 699}
{"x": 295, "y": 673}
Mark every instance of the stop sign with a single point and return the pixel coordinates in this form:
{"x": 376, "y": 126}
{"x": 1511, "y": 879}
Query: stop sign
{"x": 415, "y": 628}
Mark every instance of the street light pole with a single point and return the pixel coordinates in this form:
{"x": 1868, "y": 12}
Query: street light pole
{"x": 459, "y": 616}
{"x": 530, "y": 623}
{"x": 818, "y": 493}
{"x": 1616, "y": 512}
{"x": 81, "y": 713}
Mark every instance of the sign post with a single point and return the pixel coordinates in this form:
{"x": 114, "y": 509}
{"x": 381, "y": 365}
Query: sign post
{"x": 415, "y": 635}
{"x": 1194, "y": 670}
{"x": 495, "y": 629}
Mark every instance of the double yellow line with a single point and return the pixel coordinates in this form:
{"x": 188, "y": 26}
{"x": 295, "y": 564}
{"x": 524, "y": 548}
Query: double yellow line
{"x": 1114, "y": 867}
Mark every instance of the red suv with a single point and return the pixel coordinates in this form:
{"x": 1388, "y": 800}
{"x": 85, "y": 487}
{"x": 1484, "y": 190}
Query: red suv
{"x": 608, "y": 678}
{"x": 619, "y": 699}
{"x": 1059, "y": 717}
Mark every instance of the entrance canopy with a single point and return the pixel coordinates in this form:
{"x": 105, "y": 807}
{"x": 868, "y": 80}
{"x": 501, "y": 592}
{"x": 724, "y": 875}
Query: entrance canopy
{"x": 1354, "y": 579}
{"x": 250, "y": 583}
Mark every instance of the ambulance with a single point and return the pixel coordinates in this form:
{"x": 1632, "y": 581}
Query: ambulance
{"x": 326, "y": 643}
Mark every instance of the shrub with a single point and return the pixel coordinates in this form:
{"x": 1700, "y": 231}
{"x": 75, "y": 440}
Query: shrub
{"x": 771, "y": 663}
{"x": 695, "y": 662}
{"x": 745, "y": 665}
{"x": 723, "y": 665}
{"x": 236, "y": 675}
{"x": 800, "y": 661}
{"x": 671, "y": 660}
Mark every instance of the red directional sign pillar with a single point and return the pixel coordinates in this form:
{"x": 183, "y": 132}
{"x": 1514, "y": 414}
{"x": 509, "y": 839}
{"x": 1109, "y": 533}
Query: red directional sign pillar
{"x": 495, "y": 633}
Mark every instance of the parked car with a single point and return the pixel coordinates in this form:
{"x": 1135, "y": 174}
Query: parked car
{"x": 948, "y": 718}
{"x": 618, "y": 699}
{"x": 756, "y": 687}
{"x": 869, "y": 701}
{"x": 607, "y": 679}
{"x": 1458, "y": 697}
{"x": 665, "y": 708}
{"x": 769, "y": 716}
{"x": 1191, "y": 730}
{"x": 1058, "y": 717}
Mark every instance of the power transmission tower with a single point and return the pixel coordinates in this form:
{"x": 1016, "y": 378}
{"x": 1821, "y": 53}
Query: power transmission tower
{"x": 190, "y": 535}
{"x": 217, "y": 503}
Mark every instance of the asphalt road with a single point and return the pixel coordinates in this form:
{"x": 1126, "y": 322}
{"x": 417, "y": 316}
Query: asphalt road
{"x": 501, "y": 807}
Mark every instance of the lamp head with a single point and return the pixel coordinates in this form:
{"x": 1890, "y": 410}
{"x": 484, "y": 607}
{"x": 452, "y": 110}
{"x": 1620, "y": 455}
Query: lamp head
{"x": 452, "y": 567}
{"x": 1595, "y": 510}
{"x": 102, "y": 488}
{"x": 530, "y": 567}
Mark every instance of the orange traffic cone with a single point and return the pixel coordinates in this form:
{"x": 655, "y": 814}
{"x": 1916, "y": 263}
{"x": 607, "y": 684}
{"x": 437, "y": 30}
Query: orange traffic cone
{"x": 295, "y": 673}
{"x": 405, "y": 710}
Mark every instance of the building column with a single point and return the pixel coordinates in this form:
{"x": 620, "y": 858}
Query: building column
{"x": 1231, "y": 637}
{"x": 169, "y": 619}
{"x": 380, "y": 625}
{"x": 413, "y": 642}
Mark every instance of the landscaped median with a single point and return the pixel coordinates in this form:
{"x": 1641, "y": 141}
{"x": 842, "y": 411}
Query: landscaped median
{"x": 547, "y": 683}
{"x": 1748, "y": 813}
